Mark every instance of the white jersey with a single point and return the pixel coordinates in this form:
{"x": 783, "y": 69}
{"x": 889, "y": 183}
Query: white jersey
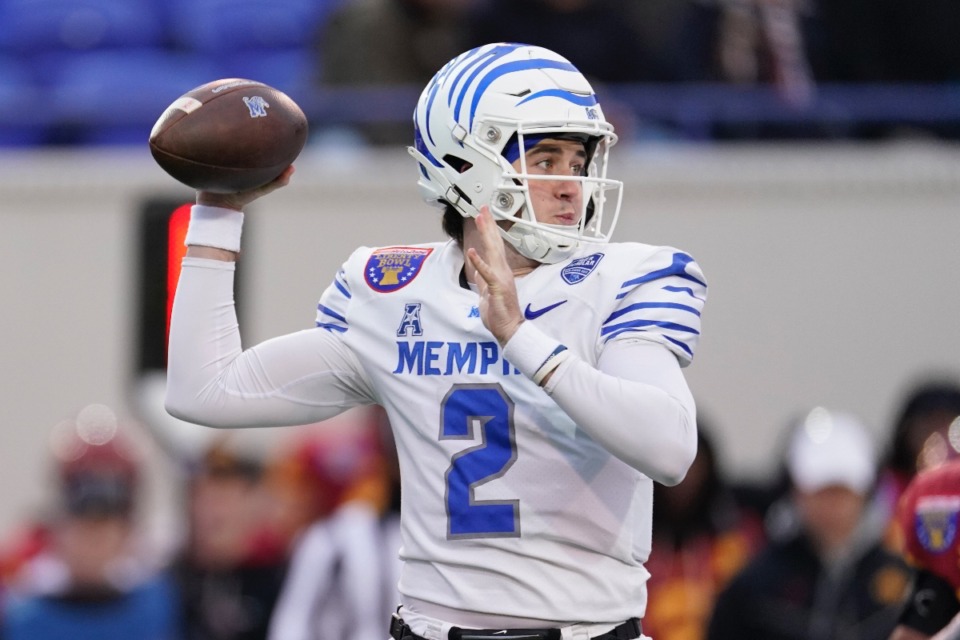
{"x": 508, "y": 507}
{"x": 522, "y": 505}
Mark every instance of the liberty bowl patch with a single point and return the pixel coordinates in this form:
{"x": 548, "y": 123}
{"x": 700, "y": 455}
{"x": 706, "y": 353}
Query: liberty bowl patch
{"x": 580, "y": 268}
{"x": 394, "y": 268}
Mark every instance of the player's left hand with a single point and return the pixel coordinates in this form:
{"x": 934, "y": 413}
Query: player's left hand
{"x": 499, "y": 307}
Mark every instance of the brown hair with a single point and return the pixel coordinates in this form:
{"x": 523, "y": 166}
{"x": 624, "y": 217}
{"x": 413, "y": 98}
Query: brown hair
{"x": 453, "y": 223}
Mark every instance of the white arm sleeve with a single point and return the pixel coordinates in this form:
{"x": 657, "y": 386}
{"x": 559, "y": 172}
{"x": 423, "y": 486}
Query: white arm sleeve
{"x": 636, "y": 404}
{"x": 299, "y": 378}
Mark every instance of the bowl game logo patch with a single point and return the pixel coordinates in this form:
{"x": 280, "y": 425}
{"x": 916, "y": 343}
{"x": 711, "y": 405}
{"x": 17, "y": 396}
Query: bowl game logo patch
{"x": 580, "y": 268}
{"x": 393, "y": 268}
{"x": 936, "y": 522}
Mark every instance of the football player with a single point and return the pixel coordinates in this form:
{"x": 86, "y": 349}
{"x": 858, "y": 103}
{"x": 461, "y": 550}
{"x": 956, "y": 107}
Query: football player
{"x": 928, "y": 517}
{"x": 531, "y": 369}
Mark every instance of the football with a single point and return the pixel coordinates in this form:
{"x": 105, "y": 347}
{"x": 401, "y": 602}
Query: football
{"x": 229, "y": 135}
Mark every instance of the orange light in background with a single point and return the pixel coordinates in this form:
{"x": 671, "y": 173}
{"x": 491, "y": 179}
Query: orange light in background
{"x": 176, "y": 234}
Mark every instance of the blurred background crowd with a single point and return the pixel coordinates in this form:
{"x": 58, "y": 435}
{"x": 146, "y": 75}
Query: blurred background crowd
{"x": 85, "y": 72}
{"x": 293, "y": 541}
{"x": 299, "y": 541}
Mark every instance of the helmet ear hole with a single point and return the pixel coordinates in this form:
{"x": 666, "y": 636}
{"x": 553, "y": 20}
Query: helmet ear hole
{"x": 459, "y": 164}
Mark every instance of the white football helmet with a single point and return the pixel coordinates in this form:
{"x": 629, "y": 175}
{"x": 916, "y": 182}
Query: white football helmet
{"x": 494, "y": 98}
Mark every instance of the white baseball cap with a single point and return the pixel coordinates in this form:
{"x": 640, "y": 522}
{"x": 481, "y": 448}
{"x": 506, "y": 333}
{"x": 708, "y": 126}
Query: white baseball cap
{"x": 830, "y": 448}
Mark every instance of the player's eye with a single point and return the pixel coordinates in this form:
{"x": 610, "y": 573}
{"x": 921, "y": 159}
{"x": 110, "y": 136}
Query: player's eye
{"x": 545, "y": 164}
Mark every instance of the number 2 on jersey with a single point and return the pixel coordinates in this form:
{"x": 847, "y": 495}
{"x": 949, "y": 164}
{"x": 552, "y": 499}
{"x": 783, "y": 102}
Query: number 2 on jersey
{"x": 466, "y": 410}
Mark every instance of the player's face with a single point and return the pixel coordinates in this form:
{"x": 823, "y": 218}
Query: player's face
{"x": 555, "y": 201}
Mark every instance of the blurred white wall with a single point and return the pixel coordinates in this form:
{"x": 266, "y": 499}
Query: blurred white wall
{"x": 833, "y": 280}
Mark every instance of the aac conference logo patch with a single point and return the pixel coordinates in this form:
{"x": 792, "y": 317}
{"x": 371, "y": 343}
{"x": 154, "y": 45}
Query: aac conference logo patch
{"x": 393, "y": 268}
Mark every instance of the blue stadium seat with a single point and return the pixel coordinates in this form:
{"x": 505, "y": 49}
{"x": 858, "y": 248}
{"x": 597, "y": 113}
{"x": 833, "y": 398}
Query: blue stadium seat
{"x": 114, "y": 97}
{"x": 292, "y": 71}
{"x": 33, "y": 26}
{"x": 217, "y": 26}
{"x": 23, "y": 121}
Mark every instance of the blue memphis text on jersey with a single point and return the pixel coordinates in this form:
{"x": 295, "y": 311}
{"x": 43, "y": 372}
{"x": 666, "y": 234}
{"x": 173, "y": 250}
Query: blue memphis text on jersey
{"x": 438, "y": 358}
{"x": 393, "y": 268}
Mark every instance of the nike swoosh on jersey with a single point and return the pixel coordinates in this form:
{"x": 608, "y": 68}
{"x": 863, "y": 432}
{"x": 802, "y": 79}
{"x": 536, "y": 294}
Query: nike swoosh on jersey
{"x": 530, "y": 314}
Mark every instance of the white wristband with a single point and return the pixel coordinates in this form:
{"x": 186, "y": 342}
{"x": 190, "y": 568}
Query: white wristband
{"x": 555, "y": 360}
{"x": 214, "y": 227}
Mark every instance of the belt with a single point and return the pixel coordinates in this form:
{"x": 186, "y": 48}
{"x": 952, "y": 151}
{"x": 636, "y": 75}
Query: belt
{"x": 629, "y": 630}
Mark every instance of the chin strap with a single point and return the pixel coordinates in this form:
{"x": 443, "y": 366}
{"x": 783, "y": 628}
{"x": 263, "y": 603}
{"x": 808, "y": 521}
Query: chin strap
{"x": 526, "y": 242}
{"x": 531, "y": 243}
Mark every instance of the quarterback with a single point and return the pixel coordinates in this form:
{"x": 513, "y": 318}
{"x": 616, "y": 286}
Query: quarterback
{"x": 530, "y": 368}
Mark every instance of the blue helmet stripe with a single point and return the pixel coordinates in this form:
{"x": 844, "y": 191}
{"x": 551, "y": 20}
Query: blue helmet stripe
{"x": 433, "y": 94}
{"x": 421, "y": 146}
{"x": 569, "y": 96}
{"x": 512, "y": 67}
{"x": 432, "y": 90}
{"x": 492, "y": 57}
{"x": 470, "y": 58}
{"x": 475, "y": 56}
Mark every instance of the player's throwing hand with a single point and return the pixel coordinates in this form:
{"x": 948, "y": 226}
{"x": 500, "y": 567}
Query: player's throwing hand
{"x": 241, "y": 199}
{"x": 499, "y": 308}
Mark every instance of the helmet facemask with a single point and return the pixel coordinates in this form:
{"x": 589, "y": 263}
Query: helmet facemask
{"x": 512, "y": 202}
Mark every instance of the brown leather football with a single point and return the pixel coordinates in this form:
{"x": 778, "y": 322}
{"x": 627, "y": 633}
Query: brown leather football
{"x": 229, "y": 135}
